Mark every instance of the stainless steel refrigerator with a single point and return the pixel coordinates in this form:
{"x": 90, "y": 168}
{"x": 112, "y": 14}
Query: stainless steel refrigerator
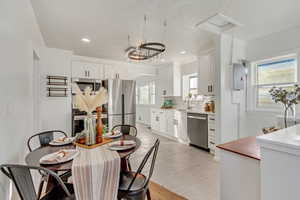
{"x": 121, "y": 102}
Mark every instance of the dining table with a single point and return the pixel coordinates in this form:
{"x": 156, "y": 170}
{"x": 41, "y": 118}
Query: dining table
{"x": 33, "y": 157}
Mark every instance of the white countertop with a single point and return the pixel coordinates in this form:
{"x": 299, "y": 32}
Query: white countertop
{"x": 195, "y": 111}
{"x": 187, "y": 110}
{"x": 287, "y": 140}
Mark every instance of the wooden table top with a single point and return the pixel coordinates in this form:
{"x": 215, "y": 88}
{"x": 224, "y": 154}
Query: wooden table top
{"x": 246, "y": 147}
{"x": 33, "y": 157}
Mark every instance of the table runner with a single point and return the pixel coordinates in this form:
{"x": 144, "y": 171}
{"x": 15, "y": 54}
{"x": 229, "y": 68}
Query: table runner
{"x": 96, "y": 174}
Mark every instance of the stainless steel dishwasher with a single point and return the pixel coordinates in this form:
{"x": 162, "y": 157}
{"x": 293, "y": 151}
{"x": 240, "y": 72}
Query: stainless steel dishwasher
{"x": 197, "y": 126}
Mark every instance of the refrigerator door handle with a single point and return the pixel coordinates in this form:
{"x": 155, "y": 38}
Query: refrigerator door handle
{"x": 123, "y": 110}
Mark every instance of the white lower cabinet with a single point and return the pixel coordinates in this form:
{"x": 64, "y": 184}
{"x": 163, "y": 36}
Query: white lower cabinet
{"x": 180, "y": 126}
{"x": 170, "y": 123}
{"x": 211, "y": 133}
{"x": 162, "y": 122}
{"x": 163, "y": 126}
{"x": 155, "y": 120}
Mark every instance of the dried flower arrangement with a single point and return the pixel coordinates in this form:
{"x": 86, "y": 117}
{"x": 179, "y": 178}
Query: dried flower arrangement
{"x": 288, "y": 98}
{"x": 88, "y": 102}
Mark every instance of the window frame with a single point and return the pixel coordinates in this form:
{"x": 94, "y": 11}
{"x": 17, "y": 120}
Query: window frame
{"x": 256, "y": 86}
{"x": 189, "y": 83}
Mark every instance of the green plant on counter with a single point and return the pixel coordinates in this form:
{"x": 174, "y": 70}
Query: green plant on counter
{"x": 105, "y": 129}
{"x": 288, "y": 98}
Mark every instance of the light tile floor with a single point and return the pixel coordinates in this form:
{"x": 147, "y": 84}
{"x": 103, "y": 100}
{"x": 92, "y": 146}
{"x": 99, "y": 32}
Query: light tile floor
{"x": 186, "y": 170}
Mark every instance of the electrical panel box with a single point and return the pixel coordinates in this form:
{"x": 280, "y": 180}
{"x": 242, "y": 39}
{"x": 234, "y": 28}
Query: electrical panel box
{"x": 238, "y": 76}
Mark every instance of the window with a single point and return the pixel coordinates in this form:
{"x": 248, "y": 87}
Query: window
{"x": 193, "y": 85}
{"x": 189, "y": 85}
{"x": 145, "y": 94}
{"x": 152, "y": 92}
{"x": 278, "y": 72}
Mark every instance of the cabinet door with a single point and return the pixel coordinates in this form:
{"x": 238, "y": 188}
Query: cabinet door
{"x": 154, "y": 120}
{"x": 86, "y": 70}
{"x": 109, "y": 72}
{"x": 78, "y": 70}
{"x": 92, "y": 70}
{"x": 170, "y": 118}
{"x": 162, "y": 122}
{"x": 181, "y": 127}
{"x": 206, "y": 74}
{"x": 211, "y": 80}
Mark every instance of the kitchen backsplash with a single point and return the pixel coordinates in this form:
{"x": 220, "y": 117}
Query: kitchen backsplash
{"x": 195, "y": 103}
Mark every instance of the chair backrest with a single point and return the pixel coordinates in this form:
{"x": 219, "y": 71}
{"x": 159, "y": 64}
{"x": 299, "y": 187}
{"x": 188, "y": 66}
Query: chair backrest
{"x": 21, "y": 177}
{"x": 153, "y": 151}
{"x": 126, "y": 129}
{"x": 44, "y": 138}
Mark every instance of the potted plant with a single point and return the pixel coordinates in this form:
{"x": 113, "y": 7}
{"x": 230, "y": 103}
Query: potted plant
{"x": 288, "y": 98}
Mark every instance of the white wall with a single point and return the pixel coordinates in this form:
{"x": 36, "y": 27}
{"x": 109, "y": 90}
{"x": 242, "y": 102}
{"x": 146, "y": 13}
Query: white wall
{"x": 55, "y": 112}
{"x": 234, "y": 119}
{"x": 19, "y": 35}
{"x": 229, "y": 112}
{"x": 273, "y": 45}
{"x": 189, "y": 68}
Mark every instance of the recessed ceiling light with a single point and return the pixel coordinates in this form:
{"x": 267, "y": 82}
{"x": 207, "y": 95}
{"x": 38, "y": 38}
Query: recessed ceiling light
{"x": 86, "y": 40}
{"x": 183, "y": 52}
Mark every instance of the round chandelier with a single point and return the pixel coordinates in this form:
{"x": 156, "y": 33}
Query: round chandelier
{"x": 145, "y": 50}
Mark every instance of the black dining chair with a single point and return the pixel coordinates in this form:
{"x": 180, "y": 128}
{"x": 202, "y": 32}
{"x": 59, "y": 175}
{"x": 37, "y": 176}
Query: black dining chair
{"x": 135, "y": 185}
{"x": 44, "y": 138}
{"x": 126, "y": 129}
{"x": 22, "y": 179}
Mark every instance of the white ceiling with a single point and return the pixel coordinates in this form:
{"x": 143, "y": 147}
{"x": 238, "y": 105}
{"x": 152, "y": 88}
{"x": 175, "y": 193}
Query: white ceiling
{"x": 108, "y": 22}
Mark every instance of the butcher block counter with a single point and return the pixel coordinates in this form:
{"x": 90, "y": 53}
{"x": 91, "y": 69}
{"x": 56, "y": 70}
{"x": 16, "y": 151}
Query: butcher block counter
{"x": 245, "y": 147}
{"x": 240, "y": 169}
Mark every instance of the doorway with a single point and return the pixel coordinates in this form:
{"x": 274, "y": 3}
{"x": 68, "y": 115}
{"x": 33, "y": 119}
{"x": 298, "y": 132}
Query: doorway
{"x": 36, "y": 92}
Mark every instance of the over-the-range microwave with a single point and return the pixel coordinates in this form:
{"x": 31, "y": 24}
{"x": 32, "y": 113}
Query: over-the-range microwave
{"x": 94, "y": 84}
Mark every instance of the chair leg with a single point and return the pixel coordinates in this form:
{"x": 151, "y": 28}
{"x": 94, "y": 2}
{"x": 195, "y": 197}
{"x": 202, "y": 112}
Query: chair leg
{"x": 65, "y": 176}
{"x": 148, "y": 194}
{"x": 129, "y": 165}
{"x": 40, "y": 188}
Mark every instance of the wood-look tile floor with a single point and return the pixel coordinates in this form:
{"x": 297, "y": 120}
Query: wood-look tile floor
{"x": 183, "y": 169}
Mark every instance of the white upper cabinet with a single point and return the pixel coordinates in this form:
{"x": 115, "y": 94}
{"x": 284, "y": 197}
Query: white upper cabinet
{"x": 87, "y": 70}
{"x": 111, "y": 71}
{"x": 206, "y": 74}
